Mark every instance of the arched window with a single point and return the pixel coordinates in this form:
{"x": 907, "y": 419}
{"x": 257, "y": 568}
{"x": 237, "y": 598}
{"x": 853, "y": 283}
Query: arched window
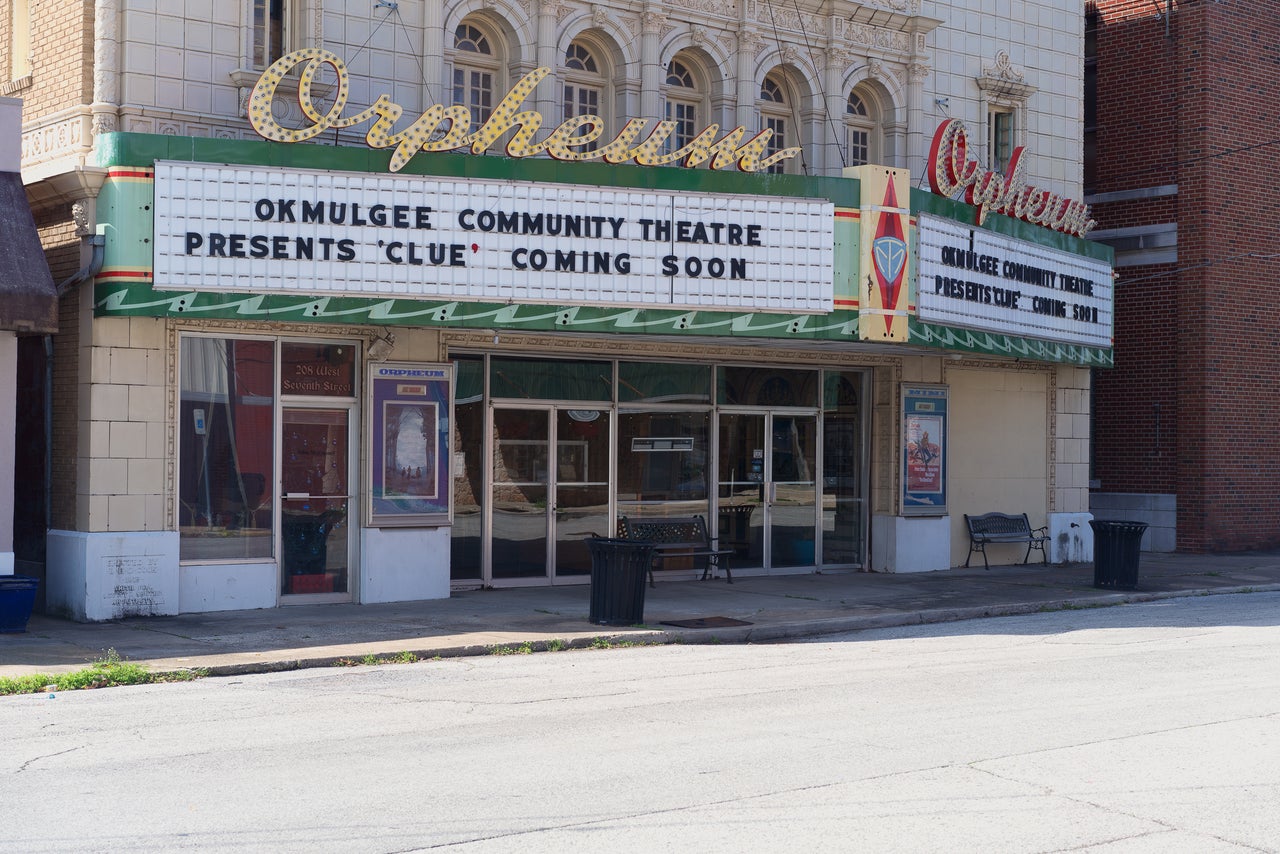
{"x": 862, "y": 129}
{"x": 775, "y": 115}
{"x": 684, "y": 104}
{"x": 269, "y": 35}
{"x": 475, "y": 66}
{"x": 584, "y": 85}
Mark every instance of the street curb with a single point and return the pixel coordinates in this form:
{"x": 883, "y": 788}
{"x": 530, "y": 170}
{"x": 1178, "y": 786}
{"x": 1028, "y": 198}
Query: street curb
{"x": 730, "y": 635}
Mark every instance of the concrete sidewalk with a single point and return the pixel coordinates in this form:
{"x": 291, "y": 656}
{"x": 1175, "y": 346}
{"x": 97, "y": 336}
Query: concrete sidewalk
{"x": 476, "y": 622}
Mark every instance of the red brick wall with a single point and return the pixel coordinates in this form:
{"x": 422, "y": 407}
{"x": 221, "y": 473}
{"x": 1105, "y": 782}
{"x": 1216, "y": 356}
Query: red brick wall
{"x": 1201, "y": 338}
{"x": 61, "y": 57}
{"x": 62, "y": 250}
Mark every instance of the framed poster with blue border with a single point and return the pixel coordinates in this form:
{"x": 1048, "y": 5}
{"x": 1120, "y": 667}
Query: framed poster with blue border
{"x": 409, "y": 410}
{"x": 924, "y": 450}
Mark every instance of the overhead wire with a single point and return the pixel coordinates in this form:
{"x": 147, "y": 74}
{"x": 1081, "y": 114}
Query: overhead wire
{"x": 822, "y": 90}
{"x": 373, "y": 32}
{"x": 795, "y": 115}
{"x": 418, "y": 58}
{"x": 1200, "y": 266}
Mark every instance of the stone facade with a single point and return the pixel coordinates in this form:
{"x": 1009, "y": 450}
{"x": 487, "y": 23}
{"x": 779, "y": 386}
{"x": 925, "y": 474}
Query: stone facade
{"x": 151, "y": 68}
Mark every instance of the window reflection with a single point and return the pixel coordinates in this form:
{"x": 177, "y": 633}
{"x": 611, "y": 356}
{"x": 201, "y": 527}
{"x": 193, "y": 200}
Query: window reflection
{"x": 766, "y": 386}
{"x": 662, "y": 463}
{"x": 658, "y": 382}
{"x": 550, "y": 379}
{"x": 468, "y": 467}
{"x": 225, "y": 489}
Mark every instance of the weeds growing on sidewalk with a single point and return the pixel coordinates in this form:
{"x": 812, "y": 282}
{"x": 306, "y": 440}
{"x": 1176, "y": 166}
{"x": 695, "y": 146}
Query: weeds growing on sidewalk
{"x": 107, "y": 672}
{"x": 404, "y": 657}
{"x": 1048, "y": 608}
{"x": 525, "y": 648}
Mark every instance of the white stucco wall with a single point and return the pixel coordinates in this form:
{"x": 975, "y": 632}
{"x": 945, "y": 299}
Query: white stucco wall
{"x": 93, "y": 577}
{"x": 402, "y": 564}
{"x": 998, "y": 450}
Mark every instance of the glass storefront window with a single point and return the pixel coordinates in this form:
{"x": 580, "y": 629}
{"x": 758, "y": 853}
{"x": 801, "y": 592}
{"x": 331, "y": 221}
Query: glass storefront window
{"x": 765, "y": 386}
{"x": 225, "y": 467}
{"x": 550, "y": 379}
{"x": 532, "y": 479}
{"x": 319, "y": 370}
{"x": 468, "y": 467}
{"x": 662, "y": 463}
{"x": 656, "y": 382}
{"x": 842, "y": 467}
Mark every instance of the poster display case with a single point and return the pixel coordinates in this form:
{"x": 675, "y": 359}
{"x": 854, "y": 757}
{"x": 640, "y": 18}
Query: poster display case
{"x": 409, "y": 411}
{"x": 924, "y": 450}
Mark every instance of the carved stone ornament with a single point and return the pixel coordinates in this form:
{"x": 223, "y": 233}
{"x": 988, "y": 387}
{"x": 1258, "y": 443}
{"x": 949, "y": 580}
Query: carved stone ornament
{"x": 875, "y": 69}
{"x": 909, "y": 7}
{"x": 790, "y": 55}
{"x": 80, "y": 216}
{"x": 653, "y": 21}
{"x": 727, "y": 8}
{"x": 749, "y": 41}
{"x": 104, "y": 123}
{"x": 700, "y": 36}
{"x": 838, "y": 57}
{"x": 1002, "y": 68}
{"x": 1004, "y": 84}
{"x": 599, "y": 15}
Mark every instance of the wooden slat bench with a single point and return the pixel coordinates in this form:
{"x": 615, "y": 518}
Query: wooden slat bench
{"x": 990, "y": 528}
{"x": 675, "y": 537}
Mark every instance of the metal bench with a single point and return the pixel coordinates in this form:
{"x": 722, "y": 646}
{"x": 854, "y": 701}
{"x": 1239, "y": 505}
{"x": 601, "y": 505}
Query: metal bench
{"x": 675, "y": 537}
{"x": 990, "y": 528}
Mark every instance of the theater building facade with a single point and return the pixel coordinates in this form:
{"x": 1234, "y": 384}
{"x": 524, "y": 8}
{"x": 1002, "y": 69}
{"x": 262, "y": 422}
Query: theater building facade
{"x": 445, "y": 353}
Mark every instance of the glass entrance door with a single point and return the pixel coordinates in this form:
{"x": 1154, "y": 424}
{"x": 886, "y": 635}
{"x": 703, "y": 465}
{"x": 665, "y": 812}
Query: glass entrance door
{"x": 549, "y": 491}
{"x": 791, "y": 494}
{"x": 768, "y": 488}
{"x": 581, "y": 487}
{"x": 315, "y": 546}
{"x": 520, "y": 486}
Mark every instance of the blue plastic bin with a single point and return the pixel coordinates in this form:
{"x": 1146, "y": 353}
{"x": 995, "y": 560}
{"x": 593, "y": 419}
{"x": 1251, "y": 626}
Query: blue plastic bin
{"x": 17, "y": 598}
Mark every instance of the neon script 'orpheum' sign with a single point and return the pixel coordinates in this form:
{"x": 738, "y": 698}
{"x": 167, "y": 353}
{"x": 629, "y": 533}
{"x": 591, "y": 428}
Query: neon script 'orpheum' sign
{"x": 442, "y": 128}
{"x": 951, "y": 169}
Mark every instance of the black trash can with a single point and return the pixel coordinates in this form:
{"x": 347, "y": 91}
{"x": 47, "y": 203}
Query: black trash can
{"x": 1116, "y": 547}
{"x": 618, "y": 572}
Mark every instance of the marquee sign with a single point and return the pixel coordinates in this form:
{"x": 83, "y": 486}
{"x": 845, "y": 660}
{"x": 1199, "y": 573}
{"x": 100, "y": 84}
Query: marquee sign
{"x": 441, "y": 128}
{"x": 950, "y": 169}
{"x": 261, "y": 229}
{"x": 979, "y": 279}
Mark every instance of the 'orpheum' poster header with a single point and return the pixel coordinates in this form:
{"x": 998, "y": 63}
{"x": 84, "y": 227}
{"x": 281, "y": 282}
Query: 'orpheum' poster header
{"x": 950, "y": 169}
{"x": 442, "y": 128}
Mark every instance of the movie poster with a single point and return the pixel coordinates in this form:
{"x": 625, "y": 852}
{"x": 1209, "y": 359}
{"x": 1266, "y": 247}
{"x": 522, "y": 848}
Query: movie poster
{"x": 408, "y": 407}
{"x": 924, "y": 456}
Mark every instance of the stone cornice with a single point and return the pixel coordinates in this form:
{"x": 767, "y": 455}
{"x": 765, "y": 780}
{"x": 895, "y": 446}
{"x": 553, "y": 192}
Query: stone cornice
{"x": 77, "y": 183}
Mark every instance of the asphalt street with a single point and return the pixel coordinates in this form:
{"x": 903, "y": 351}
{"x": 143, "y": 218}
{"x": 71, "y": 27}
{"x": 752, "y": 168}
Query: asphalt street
{"x": 1148, "y": 727}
